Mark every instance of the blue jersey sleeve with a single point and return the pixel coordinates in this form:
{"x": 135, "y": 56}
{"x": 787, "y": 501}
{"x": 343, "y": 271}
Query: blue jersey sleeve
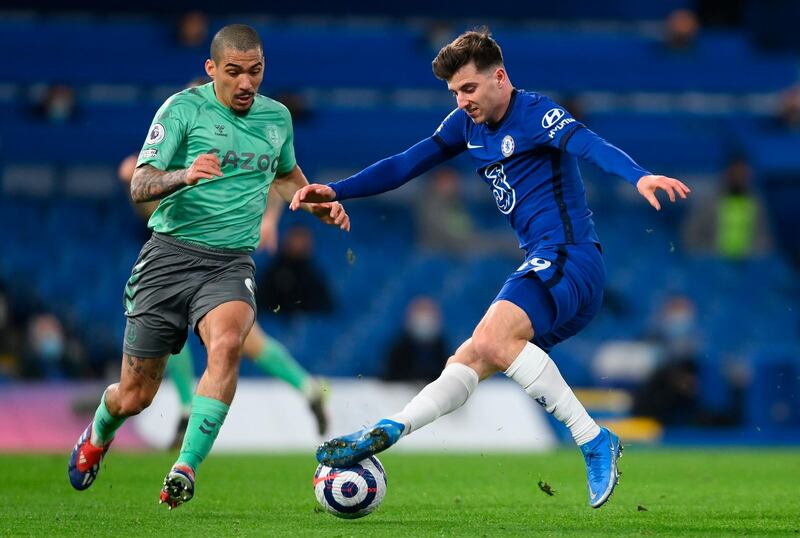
{"x": 554, "y": 126}
{"x": 393, "y": 171}
{"x": 587, "y": 145}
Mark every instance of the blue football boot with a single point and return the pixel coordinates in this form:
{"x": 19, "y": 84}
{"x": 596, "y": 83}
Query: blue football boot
{"x": 601, "y": 455}
{"x": 350, "y": 449}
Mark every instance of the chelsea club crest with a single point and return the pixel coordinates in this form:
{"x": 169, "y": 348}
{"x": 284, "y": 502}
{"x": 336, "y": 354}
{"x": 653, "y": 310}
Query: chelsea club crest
{"x": 507, "y": 146}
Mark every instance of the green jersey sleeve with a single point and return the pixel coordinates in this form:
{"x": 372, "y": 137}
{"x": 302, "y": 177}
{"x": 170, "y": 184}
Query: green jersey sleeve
{"x": 167, "y": 132}
{"x": 286, "y": 158}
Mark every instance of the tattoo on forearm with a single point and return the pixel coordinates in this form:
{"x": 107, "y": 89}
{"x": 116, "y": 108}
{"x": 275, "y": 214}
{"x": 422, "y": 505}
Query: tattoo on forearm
{"x": 150, "y": 183}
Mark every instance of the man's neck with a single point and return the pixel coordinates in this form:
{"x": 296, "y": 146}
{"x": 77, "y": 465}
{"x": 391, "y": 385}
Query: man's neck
{"x": 503, "y": 108}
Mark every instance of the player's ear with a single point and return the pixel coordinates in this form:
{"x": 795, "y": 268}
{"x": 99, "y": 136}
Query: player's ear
{"x": 210, "y": 68}
{"x": 500, "y": 76}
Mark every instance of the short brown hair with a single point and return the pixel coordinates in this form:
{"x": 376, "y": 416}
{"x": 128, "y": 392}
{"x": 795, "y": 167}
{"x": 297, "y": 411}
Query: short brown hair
{"x": 473, "y": 46}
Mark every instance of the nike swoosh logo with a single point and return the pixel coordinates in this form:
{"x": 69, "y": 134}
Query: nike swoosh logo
{"x": 324, "y": 478}
{"x": 470, "y": 146}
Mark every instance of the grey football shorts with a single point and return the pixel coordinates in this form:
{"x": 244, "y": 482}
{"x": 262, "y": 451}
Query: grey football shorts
{"x": 173, "y": 285}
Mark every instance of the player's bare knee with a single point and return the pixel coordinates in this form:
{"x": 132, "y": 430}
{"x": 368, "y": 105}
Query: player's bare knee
{"x": 227, "y": 344}
{"x": 487, "y": 347}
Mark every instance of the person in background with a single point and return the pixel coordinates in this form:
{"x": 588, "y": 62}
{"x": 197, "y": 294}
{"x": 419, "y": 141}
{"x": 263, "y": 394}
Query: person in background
{"x": 192, "y": 30}
{"x": 420, "y": 351}
{"x": 681, "y": 30}
{"x": 444, "y": 223}
{"x": 672, "y": 393}
{"x": 58, "y": 105}
{"x": 292, "y": 283}
{"x": 48, "y": 355}
{"x": 731, "y": 221}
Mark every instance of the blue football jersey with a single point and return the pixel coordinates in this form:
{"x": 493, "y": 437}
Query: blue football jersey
{"x": 522, "y": 159}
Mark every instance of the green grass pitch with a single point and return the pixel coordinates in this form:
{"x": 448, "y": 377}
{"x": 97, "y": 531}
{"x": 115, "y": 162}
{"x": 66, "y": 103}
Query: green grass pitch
{"x": 713, "y": 492}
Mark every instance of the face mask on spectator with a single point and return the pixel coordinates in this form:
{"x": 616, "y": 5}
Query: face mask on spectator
{"x": 424, "y": 326}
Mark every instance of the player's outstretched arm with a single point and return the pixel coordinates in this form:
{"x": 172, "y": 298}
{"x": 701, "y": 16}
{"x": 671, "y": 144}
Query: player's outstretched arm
{"x": 648, "y": 185}
{"x": 383, "y": 176}
{"x": 329, "y": 212}
{"x": 585, "y": 144}
{"x": 150, "y": 183}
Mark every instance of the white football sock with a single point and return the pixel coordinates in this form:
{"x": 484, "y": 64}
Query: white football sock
{"x": 539, "y": 376}
{"x": 446, "y": 394}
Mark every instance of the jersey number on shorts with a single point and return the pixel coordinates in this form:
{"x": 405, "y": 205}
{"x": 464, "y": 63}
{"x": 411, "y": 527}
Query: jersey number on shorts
{"x": 538, "y": 264}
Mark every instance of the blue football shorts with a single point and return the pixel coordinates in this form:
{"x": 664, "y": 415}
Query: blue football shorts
{"x": 560, "y": 287}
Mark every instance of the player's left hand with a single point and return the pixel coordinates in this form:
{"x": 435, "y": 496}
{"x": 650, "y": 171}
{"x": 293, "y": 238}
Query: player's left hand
{"x": 648, "y": 185}
{"x": 332, "y": 213}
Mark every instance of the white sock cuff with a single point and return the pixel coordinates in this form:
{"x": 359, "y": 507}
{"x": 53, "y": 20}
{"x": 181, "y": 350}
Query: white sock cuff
{"x": 468, "y": 377}
{"x": 529, "y": 364}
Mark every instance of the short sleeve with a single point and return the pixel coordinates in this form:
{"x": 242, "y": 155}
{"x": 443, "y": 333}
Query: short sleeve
{"x": 286, "y": 158}
{"x": 451, "y": 134}
{"x": 167, "y": 132}
{"x": 551, "y": 124}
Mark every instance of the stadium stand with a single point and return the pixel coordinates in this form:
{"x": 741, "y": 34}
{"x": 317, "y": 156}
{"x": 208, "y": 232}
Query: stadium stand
{"x": 73, "y": 236}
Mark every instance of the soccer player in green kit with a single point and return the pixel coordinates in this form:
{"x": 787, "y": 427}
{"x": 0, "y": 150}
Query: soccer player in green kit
{"x": 268, "y": 354}
{"x": 210, "y": 157}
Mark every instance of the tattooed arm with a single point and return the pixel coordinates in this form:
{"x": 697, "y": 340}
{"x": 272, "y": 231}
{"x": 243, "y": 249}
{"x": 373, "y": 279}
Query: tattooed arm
{"x": 150, "y": 183}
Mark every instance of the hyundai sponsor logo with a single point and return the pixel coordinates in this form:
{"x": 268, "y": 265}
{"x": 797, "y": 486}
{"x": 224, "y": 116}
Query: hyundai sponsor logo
{"x": 551, "y": 117}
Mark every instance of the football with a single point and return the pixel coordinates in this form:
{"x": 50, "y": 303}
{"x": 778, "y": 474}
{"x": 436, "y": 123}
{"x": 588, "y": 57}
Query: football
{"x": 351, "y": 492}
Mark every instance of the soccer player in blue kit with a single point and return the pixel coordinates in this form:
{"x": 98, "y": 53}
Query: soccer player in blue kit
{"x": 526, "y": 148}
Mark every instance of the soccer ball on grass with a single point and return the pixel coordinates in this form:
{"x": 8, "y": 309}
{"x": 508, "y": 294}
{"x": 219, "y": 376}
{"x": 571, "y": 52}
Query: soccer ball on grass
{"x": 351, "y": 492}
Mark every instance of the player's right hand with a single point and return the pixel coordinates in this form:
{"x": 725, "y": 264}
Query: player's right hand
{"x": 313, "y": 194}
{"x": 206, "y": 166}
